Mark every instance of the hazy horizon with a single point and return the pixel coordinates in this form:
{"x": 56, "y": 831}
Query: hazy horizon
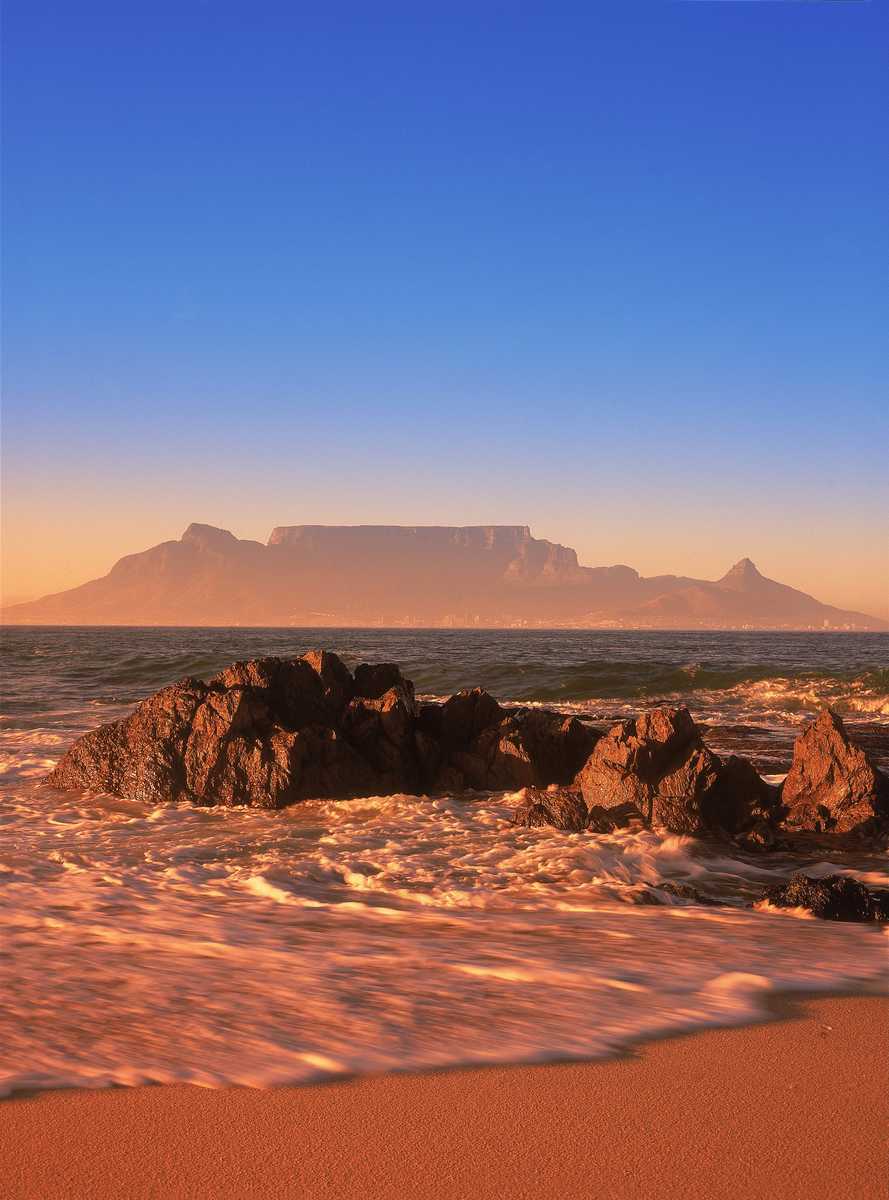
{"x": 620, "y": 277}
{"x": 717, "y": 564}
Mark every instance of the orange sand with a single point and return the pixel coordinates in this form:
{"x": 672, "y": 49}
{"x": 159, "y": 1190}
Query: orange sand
{"x": 796, "y": 1108}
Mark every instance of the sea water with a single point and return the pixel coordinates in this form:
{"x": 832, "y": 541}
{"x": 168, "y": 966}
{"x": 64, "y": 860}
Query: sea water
{"x": 142, "y": 943}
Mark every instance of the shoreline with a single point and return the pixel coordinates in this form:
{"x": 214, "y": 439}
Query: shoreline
{"x": 794, "y": 1105}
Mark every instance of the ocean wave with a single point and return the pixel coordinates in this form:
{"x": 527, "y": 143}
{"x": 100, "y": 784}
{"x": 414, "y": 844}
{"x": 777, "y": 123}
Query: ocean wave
{"x": 231, "y": 946}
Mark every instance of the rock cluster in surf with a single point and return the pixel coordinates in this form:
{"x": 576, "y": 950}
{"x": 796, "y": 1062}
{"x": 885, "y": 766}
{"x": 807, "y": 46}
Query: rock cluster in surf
{"x": 273, "y": 732}
{"x": 832, "y": 897}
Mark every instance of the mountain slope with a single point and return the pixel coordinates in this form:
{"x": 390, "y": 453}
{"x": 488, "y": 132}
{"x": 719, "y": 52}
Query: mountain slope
{"x": 414, "y": 575}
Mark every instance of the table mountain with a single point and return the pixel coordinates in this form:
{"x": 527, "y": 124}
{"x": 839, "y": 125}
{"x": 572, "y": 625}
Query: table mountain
{"x": 488, "y": 575}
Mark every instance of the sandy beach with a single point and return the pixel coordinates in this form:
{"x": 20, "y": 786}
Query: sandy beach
{"x": 798, "y": 1107}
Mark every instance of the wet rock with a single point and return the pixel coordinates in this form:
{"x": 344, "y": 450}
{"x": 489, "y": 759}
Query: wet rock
{"x": 606, "y": 820}
{"x": 467, "y": 715}
{"x": 290, "y": 688}
{"x": 266, "y": 733}
{"x": 656, "y": 765}
{"x": 833, "y": 898}
{"x": 560, "y": 807}
{"x": 372, "y": 680}
{"x": 335, "y": 677}
{"x": 141, "y": 756}
{"x": 741, "y": 799}
{"x": 382, "y": 730}
{"x": 832, "y": 785}
{"x": 534, "y": 748}
{"x": 760, "y": 837}
{"x": 686, "y": 891}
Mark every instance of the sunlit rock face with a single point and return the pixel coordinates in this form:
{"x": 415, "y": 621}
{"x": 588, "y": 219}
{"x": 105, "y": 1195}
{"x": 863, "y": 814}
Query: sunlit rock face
{"x": 832, "y": 784}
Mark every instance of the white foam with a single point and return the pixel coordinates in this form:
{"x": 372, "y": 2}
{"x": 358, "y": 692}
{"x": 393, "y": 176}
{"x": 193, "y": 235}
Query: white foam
{"x": 230, "y": 946}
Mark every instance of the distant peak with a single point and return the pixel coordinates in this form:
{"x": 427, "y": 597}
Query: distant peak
{"x": 742, "y": 574}
{"x": 207, "y": 535}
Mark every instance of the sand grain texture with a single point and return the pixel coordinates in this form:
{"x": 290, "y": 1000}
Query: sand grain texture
{"x": 796, "y": 1108}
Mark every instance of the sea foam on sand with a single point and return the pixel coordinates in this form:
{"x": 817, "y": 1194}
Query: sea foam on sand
{"x": 228, "y": 946}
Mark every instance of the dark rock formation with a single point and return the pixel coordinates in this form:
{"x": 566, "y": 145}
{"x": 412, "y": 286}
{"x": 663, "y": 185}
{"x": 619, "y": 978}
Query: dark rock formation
{"x": 561, "y": 807}
{"x": 834, "y": 898}
{"x": 271, "y": 732}
{"x": 742, "y": 800}
{"x": 141, "y": 757}
{"x": 658, "y": 767}
{"x": 832, "y": 785}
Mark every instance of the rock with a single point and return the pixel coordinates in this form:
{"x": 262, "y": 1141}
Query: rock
{"x": 466, "y": 715}
{"x": 606, "y": 820}
{"x": 142, "y": 756}
{"x": 291, "y": 689}
{"x": 741, "y": 799}
{"x": 336, "y": 679}
{"x": 534, "y": 748}
{"x": 267, "y": 733}
{"x": 382, "y": 730}
{"x": 658, "y": 768}
{"x": 656, "y": 765}
{"x": 832, "y": 785}
{"x": 373, "y": 679}
{"x": 760, "y": 837}
{"x": 833, "y": 898}
{"x": 559, "y": 807}
{"x": 686, "y": 891}
{"x": 272, "y": 731}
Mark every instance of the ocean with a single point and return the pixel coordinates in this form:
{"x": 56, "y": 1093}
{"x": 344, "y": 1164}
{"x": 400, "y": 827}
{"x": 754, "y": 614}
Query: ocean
{"x": 400, "y": 932}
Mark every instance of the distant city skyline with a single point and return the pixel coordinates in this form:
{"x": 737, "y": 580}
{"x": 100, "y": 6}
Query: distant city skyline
{"x": 616, "y": 272}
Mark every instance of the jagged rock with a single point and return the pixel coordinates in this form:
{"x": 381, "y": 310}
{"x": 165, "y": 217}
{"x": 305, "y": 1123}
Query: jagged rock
{"x": 656, "y": 765}
{"x": 373, "y": 679}
{"x": 832, "y": 785}
{"x": 559, "y": 807}
{"x": 833, "y": 898}
{"x": 262, "y": 733}
{"x": 533, "y": 748}
{"x": 741, "y": 799}
{"x": 291, "y": 689}
{"x": 657, "y": 768}
{"x": 382, "y": 730}
{"x": 466, "y": 715}
{"x": 271, "y": 732}
{"x": 606, "y": 820}
{"x": 336, "y": 679}
{"x": 141, "y": 756}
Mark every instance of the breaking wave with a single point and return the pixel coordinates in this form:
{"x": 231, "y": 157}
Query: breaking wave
{"x": 231, "y": 946}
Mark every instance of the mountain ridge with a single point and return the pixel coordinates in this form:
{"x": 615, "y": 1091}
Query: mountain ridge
{"x": 435, "y": 575}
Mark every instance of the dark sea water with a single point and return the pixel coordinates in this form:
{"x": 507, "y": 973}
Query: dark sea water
{"x": 171, "y": 942}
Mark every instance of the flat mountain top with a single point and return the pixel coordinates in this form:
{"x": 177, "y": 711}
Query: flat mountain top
{"x": 435, "y": 575}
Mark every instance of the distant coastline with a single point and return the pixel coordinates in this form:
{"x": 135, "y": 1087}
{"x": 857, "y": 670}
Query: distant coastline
{"x": 404, "y": 577}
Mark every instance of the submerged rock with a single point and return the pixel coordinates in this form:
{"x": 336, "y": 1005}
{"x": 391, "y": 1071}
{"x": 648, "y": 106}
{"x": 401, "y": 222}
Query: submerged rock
{"x": 832, "y": 785}
{"x": 560, "y": 807}
{"x": 833, "y": 898}
{"x": 687, "y": 891}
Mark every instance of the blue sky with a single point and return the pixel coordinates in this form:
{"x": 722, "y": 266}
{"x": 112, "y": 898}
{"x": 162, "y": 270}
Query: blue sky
{"x": 615, "y": 270}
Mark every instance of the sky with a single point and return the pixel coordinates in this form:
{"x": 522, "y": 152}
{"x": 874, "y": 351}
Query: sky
{"x": 617, "y": 271}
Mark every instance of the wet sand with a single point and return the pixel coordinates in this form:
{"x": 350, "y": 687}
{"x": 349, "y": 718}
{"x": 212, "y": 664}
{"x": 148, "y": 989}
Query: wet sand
{"x": 798, "y": 1107}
